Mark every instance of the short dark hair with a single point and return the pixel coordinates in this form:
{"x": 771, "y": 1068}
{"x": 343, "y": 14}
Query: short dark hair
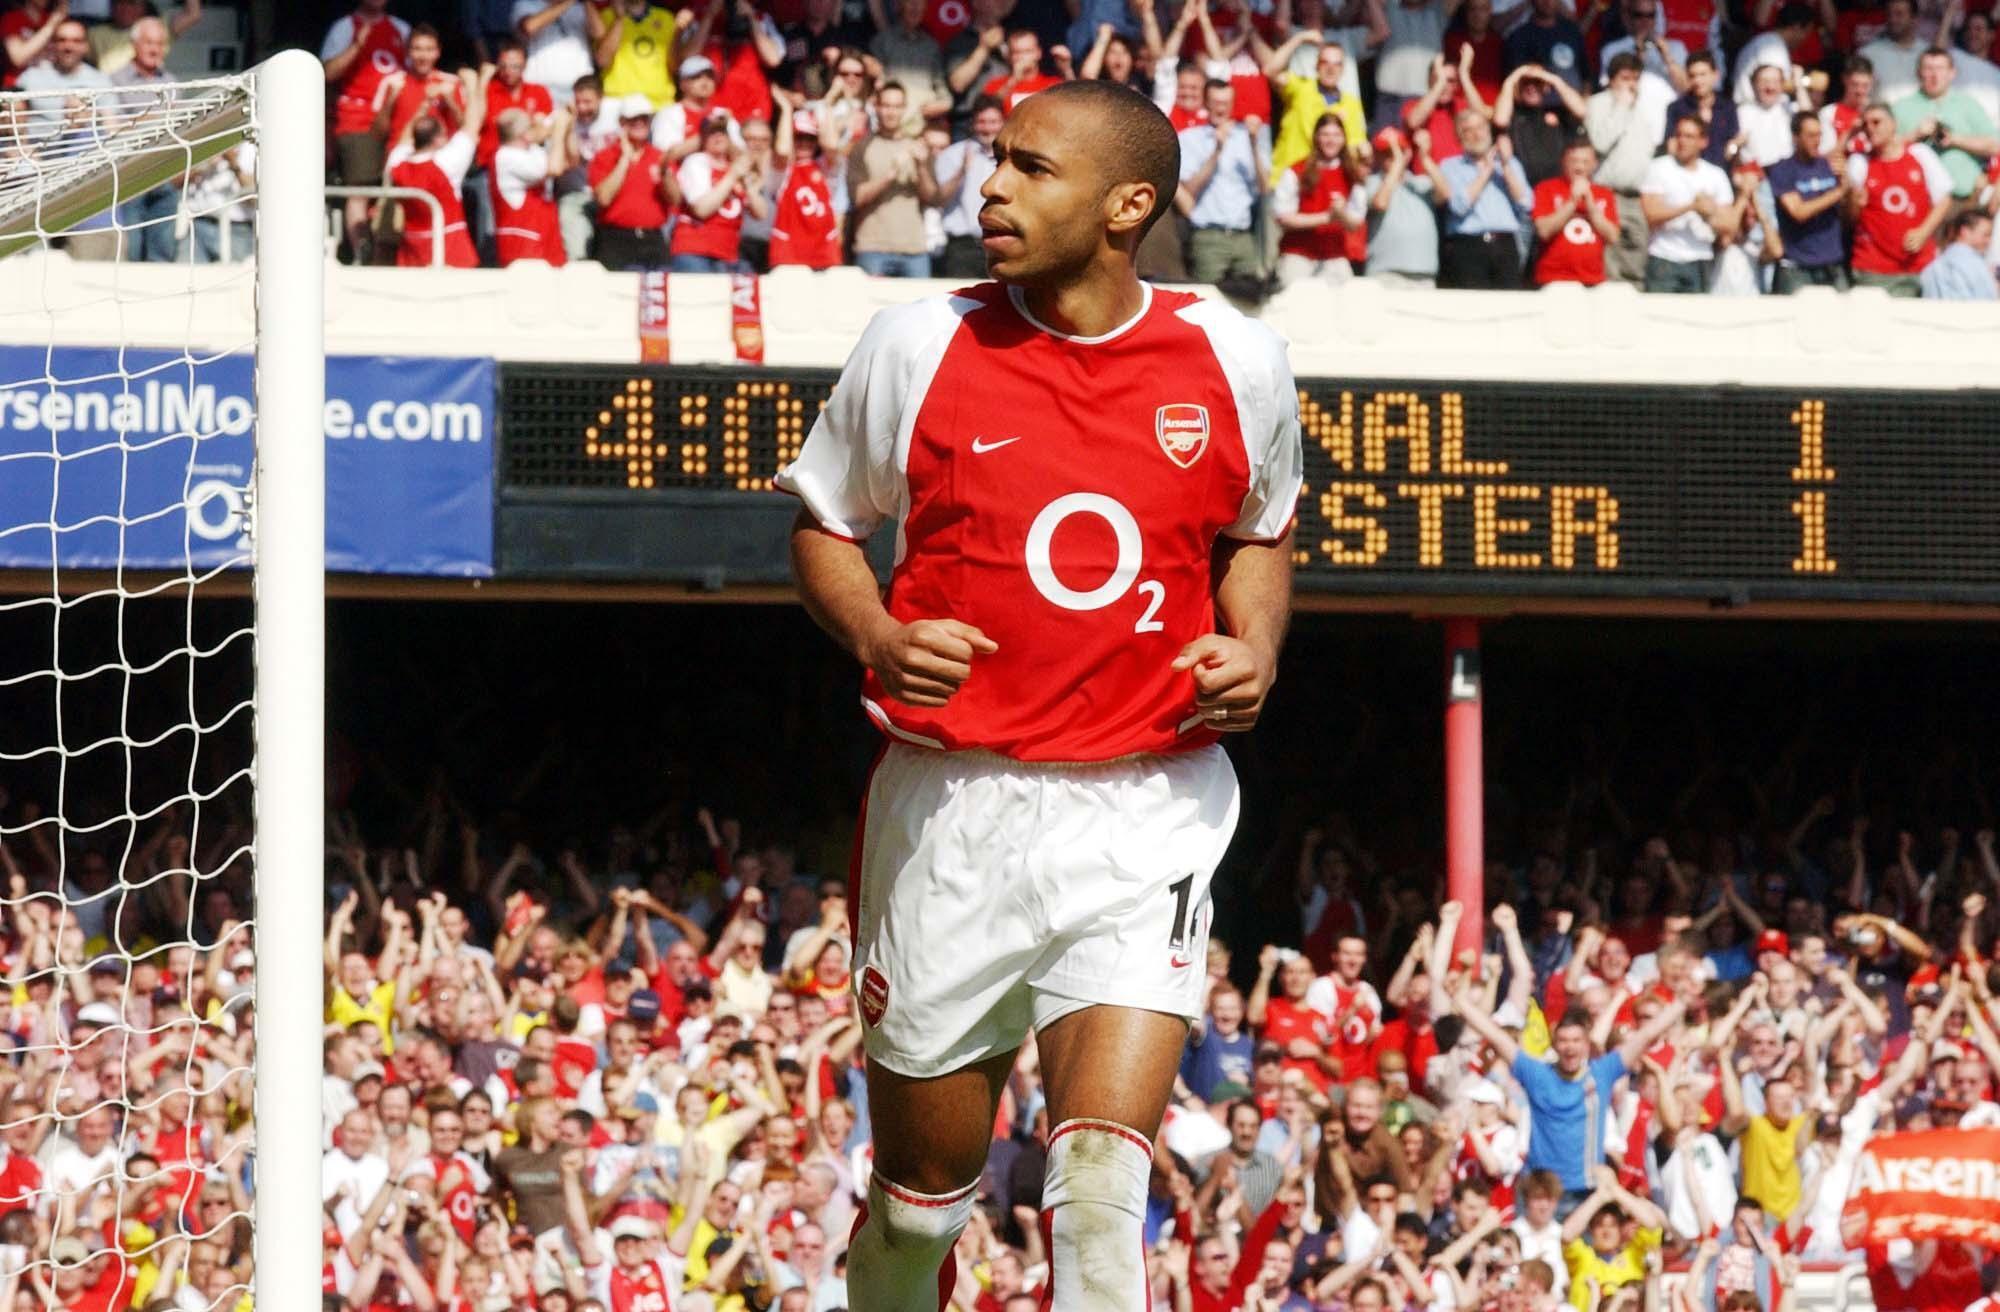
{"x": 1794, "y": 14}
{"x": 1800, "y": 119}
{"x": 1409, "y": 1223}
{"x": 983, "y": 103}
{"x": 1858, "y": 64}
{"x": 1473, "y": 1184}
{"x": 1965, "y": 222}
{"x": 424, "y": 29}
{"x": 893, "y": 85}
{"x": 1624, "y": 62}
{"x": 1701, "y": 127}
{"x": 1143, "y": 144}
{"x": 1704, "y": 57}
{"x": 588, "y": 82}
{"x": 508, "y": 45}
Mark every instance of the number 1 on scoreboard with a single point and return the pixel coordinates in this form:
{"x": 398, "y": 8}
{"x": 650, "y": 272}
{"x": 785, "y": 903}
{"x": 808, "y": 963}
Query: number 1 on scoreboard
{"x": 1811, "y": 506}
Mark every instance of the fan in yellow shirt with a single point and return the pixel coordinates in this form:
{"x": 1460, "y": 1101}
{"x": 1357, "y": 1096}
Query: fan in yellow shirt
{"x": 1622, "y": 1228}
{"x": 1769, "y": 1143}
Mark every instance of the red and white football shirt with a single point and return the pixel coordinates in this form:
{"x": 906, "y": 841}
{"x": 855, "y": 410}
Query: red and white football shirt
{"x": 651, "y": 1287}
{"x": 1062, "y": 494}
{"x": 1354, "y": 1017}
{"x": 1900, "y": 195}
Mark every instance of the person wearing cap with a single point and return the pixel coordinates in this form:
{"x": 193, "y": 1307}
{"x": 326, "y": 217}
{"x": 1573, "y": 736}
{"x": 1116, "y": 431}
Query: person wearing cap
{"x": 1809, "y": 191}
{"x": 640, "y": 1273}
{"x": 677, "y": 127}
{"x": 636, "y": 193}
{"x": 633, "y": 42}
{"x": 1689, "y": 205}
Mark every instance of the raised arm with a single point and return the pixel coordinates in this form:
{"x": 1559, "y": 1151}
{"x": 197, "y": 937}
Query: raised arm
{"x": 1482, "y": 1024}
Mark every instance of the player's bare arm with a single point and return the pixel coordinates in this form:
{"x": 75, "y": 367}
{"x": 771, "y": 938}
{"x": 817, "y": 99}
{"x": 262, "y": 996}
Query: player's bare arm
{"x": 1233, "y": 671}
{"x": 921, "y": 663}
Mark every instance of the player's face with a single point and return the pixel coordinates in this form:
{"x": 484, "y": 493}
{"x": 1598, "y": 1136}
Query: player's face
{"x": 1046, "y": 207}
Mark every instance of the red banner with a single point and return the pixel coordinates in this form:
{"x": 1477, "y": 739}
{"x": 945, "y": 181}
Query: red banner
{"x": 653, "y": 317}
{"x": 746, "y": 318}
{"x": 1937, "y": 1184}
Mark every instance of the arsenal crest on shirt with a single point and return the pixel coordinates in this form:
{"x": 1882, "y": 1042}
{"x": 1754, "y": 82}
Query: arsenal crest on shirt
{"x": 1183, "y": 432}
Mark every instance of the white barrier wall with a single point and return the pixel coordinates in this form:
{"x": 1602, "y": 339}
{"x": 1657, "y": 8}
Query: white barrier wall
{"x": 1361, "y": 330}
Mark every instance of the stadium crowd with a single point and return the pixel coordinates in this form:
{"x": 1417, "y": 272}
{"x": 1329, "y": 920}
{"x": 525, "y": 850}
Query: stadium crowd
{"x": 1682, "y": 145}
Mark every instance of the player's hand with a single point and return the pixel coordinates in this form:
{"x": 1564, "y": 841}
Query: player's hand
{"x": 1231, "y": 681}
{"x": 922, "y": 663}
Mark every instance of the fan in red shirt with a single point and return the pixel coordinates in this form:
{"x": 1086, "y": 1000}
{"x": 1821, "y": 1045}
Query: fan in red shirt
{"x": 437, "y": 166}
{"x": 507, "y": 90}
{"x": 1901, "y": 193}
{"x": 28, "y": 30}
{"x": 805, "y": 229}
{"x": 525, "y": 228}
{"x": 358, "y": 52}
{"x": 1289, "y": 1020}
{"x": 421, "y": 88}
{"x": 1574, "y": 220}
{"x": 718, "y": 184}
{"x": 1190, "y": 108}
{"x": 90, "y": 1274}
{"x": 1024, "y": 76}
{"x": 636, "y": 193}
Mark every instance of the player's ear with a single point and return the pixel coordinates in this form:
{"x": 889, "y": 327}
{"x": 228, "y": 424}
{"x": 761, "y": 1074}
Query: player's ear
{"x": 1127, "y": 205}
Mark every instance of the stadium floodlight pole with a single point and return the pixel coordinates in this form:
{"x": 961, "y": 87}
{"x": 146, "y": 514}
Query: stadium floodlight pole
{"x": 1464, "y": 780}
{"x": 289, "y": 531}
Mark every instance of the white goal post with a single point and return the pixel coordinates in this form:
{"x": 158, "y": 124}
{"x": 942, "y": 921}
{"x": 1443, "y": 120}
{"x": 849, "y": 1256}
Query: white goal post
{"x": 75, "y": 163}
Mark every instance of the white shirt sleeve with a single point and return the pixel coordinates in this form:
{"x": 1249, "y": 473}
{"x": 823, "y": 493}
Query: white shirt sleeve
{"x": 338, "y": 38}
{"x": 1267, "y": 409}
{"x": 849, "y": 473}
{"x": 1285, "y": 197}
{"x": 455, "y": 156}
{"x": 396, "y": 156}
{"x": 669, "y": 126}
{"x": 1935, "y": 176}
{"x": 1857, "y": 170}
{"x": 1657, "y": 182}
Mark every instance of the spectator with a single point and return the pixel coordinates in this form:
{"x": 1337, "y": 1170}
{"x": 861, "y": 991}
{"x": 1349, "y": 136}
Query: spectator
{"x": 1963, "y": 270}
{"x": 1322, "y": 213}
{"x": 718, "y": 184}
{"x": 759, "y": 147}
{"x": 1898, "y": 197}
{"x": 148, "y": 221}
{"x": 889, "y": 180}
{"x": 1024, "y": 75}
{"x": 556, "y": 36}
{"x": 1742, "y": 262}
{"x": 1689, "y": 206}
{"x": 1548, "y": 38}
{"x": 805, "y": 223}
{"x": 1978, "y": 76}
{"x": 1809, "y": 191}
{"x": 677, "y": 127}
{"x": 1773, "y": 49}
{"x": 1402, "y": 222}
{"x": 420, "y": 87}
{"x": 1660, "y": 55}
{"x": 910, "y": 55}
{"x": 1485, "y": 67}
{"x": 633, "y": 42}
{"x": 1600, "y": 1256}
{"x": 593, "y": 125}
{"x": 1225, "y": 168}
{"x": 219, "y": 215}
{"x": 1307, "y": 100}
{"x": 743, "y": 49}
{"x": 1576, "y": 220}
{"x": 1766, "y": 122}
{"x": 1414, "y": 44}
{"x": 111, "y": 40}
{"x": 1621, "y": 128}
{"x": 507, "y": 89}
{"x": 1540, "y": 114}
{"x": 961, "y": 170}
{"x": 978, "y": 55}
{"x": 1950, "y": 122}
{"x": 1840, "y": 122}
{"x": 25, "y": 35}
{"x": 526, "y": 226}
{"x": 1893, "y": 56}
{"x": 815, "y": 41}
{"x": 1113, "y": 58}
{"x": 358, "y": 52}
{"x": 1486, "y": 198}
{"x": 1705, "y": 101}
{"x": 636, "y": 192}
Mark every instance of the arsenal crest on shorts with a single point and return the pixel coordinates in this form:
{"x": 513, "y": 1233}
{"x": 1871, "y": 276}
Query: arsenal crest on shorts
{"x": 874, "y": 992}
{"x": 1183, "y": 432}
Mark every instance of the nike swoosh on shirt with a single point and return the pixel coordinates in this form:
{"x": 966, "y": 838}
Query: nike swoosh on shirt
{"x": 980, "y": 446}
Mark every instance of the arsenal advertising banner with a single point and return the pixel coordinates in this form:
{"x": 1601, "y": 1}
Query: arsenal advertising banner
{"x": 1937, "y": 1184}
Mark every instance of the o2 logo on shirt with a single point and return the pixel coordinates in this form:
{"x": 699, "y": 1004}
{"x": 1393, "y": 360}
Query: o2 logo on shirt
{"x": 1131, "y": 553}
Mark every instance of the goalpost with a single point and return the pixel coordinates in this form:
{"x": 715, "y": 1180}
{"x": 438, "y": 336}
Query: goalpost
{"x": 161, "y": 444}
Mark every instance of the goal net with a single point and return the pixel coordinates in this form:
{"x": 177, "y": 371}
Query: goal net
{"x": 161, "y": 539}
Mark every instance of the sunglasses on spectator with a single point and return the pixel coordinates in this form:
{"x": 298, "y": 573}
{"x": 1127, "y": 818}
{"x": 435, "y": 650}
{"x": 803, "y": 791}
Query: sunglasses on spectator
{"x": 853, "y": 72}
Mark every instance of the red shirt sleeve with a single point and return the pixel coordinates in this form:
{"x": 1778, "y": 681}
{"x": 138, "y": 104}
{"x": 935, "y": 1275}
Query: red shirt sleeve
{"x": 601, "y": 165}
{"x": 1252, "y": 1257}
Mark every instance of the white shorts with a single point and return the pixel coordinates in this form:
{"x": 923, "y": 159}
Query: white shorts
{"x": 996, "y": 897}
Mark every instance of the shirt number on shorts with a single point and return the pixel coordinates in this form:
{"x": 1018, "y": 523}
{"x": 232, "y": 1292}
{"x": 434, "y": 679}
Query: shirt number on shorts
{"x": 1131, "y": 553}
{"x": 1182, "y": 889}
